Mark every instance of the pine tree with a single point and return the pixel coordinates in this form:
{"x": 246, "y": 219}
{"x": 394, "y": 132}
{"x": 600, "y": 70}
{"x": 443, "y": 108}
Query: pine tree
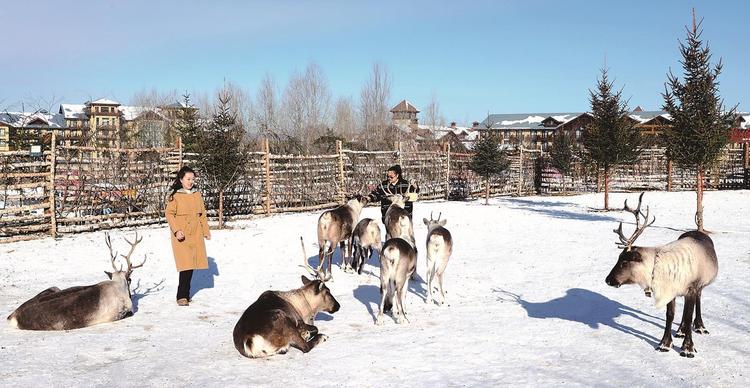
{"x": 611, "y": 139}
{"x": 700, "y": 125}
{"x": 224, "y": 151}
{"x": 561, "y": 155}
{"x": 188, "y": 126}
{"x": 488, "y": 160}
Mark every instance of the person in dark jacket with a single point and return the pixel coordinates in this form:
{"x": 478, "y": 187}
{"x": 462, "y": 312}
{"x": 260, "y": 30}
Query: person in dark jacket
{"x": 395, "y": 184}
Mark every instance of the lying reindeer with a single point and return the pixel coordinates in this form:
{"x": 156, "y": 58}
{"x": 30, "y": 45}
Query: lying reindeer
{"x": 335, "y": 227}
{"x": 680, "y": 268}
{"x": 439, "y": 249}
{"x": 279, "y": 319}
{"x": 365, "y": 240}
{"x": 398, "y": 262}
{"x": 77, "y": 307}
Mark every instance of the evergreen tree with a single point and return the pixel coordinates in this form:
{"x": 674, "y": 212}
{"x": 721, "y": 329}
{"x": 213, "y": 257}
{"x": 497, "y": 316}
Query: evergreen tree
{"x": 700, "y": 125}
{"x": 488, "y": 160}
{"x": 611, "y": 139}
{"x": 224, "y": 151}
{"x": 189, "y": 126}
{"x": 561, "y": 154}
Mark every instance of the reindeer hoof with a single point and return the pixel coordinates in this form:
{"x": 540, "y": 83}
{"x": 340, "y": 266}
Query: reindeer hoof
{"x": 379, "y": 320}
{"x": 323, "y": 338}
{"x": 663, "y": 348}
{"x": 687, "y": 353}
{"x": 680, "y": 333}
{"x": 701, "y": 330}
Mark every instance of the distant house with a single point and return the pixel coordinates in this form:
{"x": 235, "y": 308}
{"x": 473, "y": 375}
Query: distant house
{"x": 405, "y": 124}
{"x": 537, "y": 130}
{"x": 20, "y": 130}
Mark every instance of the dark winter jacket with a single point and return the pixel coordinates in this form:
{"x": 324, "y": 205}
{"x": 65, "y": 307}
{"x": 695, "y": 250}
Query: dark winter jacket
{"x": 381, "y": 194}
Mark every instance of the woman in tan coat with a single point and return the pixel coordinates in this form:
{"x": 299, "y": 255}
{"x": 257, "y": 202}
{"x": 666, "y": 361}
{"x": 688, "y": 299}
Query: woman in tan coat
{"x": 186, "y": 215}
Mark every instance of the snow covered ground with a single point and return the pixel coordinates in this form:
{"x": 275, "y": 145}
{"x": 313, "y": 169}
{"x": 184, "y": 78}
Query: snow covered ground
{"x": 527, "y": 305}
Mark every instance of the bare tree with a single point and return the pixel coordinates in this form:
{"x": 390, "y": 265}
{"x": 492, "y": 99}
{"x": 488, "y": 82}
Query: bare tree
{"x": 373, "y": 109}
{"x": 345, "y": 118}
{"x": 266, "y": 110}
{"x": 432, "y": 115}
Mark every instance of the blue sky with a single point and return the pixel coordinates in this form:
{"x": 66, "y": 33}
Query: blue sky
{"x": 474, "y": 56}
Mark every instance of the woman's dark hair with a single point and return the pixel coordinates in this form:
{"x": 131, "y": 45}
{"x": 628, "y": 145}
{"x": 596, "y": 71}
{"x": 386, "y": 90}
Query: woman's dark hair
{"x": 176, "y": 185}
{"x": 395, "y": 168}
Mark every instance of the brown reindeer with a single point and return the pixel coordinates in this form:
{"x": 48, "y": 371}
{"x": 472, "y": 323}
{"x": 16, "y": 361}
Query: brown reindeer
{"x": 280, "y": 319}
{"x": 680, "y": 268}
{"x": 365, "y": 240}
{"x": 335, "y": 227}
{"x": 82, "y": 306}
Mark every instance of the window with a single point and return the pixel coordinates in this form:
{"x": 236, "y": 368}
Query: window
{"x": 2, "y": 131}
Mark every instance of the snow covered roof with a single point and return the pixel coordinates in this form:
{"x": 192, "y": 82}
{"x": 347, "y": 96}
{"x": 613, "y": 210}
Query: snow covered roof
{"x": 405, "y": 106}
{"x": 745, "y": 122}
{"x": 32, "y": 119}
{"x": 78, "y": 112}
{"x": 102, "y": 101}
{"x": 534, "y": 120}
{"x": 73, "y": 111}
{"x": 525, "y": 120}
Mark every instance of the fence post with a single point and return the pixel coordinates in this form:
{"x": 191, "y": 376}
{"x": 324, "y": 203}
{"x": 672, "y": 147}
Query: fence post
{"x": 669, "y": 175}
{"x": 520, "y": 169}
{"x": 267, "y": 160}
{"x": 52, "y": 206}
{"x": 447, "y": 150}
{"x": 399, "y": 157}
{"x": 342, "y": 182}
{"x": 179, "y": 152}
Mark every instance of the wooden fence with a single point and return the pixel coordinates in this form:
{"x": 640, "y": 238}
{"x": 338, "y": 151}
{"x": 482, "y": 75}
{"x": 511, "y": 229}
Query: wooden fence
{"x": 70, "y": 189}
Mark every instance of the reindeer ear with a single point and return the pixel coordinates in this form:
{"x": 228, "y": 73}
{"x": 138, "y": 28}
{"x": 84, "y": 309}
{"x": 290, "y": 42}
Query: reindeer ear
{"x": 109, "y": 274}
{"x": 305, "y": 280}
{"x": 320, "y": 286}
{"x": 426, "y": 221}
{"x": 442, "y": 222}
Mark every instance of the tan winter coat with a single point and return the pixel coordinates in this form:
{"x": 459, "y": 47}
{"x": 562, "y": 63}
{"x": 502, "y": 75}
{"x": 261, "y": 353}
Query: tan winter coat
{"x": 186, "y": 212}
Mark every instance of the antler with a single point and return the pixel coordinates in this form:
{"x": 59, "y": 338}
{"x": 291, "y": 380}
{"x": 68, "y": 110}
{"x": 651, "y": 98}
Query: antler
{"x": 317, "y": 272}
{"x": 385, "y": 189}
{"x": 627, "y": 243}
{"x": 131, "y": 267}
{"x": 433, "y": 219}
{"x": 113, "y": 255}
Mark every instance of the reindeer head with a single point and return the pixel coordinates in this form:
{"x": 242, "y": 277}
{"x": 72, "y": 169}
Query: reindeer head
{"x": 355, "y": 198}
{"x": 323, "y": 299}
{"x": 434, "y": 223}
{"x": 120, "y": 275}
{"x": 629, "y": 267}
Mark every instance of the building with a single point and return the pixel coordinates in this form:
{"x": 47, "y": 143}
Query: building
{"x": 537, "y": 130}
{"x": 405, "y": 123}
{"x": 20, "y": 130}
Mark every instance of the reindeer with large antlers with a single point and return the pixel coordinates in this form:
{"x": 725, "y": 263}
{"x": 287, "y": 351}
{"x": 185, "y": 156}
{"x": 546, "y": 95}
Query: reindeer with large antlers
{"x": 680, "y": 268}
{"x": 280, "y": 319}
{"x": 82, "y": 306}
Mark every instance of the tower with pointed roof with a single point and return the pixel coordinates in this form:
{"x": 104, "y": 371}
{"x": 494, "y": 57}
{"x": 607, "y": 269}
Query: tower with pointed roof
{"x": 404, "y": 114}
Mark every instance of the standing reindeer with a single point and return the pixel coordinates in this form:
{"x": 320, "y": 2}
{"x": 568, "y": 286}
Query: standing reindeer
{"x": 82, "y": 306}
{"x": 439, "y": 249}
{"x": 280, "y": 319}
{"x": 335, "y": 227}
{"x": 365, "y": 240}
{"x": 397, "y": 263}
{"x": 680, "y": 268}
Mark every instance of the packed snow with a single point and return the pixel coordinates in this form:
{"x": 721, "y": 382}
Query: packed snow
{"x": 526, "y": 304}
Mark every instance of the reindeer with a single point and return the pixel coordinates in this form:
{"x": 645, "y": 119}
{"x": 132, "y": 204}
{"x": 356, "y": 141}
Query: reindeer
{"x": 279, "y": 319}
{"x": 82, "y": 306}
{"x": 397, "y": 221}
{"x": 365, "y": 240}
{"x": 680, "y": 268}
{"x": 439, "y": 249}
{"x": 397, "y": 263}
{"x": 335, "y": 227}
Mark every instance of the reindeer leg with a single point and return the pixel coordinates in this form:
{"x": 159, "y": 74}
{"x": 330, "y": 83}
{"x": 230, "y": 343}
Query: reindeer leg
{"x": 688, "y": 348}
{"x": 297, "y": 341}
{"x": 383, "y": 296}
{"x": 440, "y": 283}
{"x": 666, "y": 340}
{"x": 430, "y": 275}
{"x": 698, "y": 325}
{"x": 401, "y": 295}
